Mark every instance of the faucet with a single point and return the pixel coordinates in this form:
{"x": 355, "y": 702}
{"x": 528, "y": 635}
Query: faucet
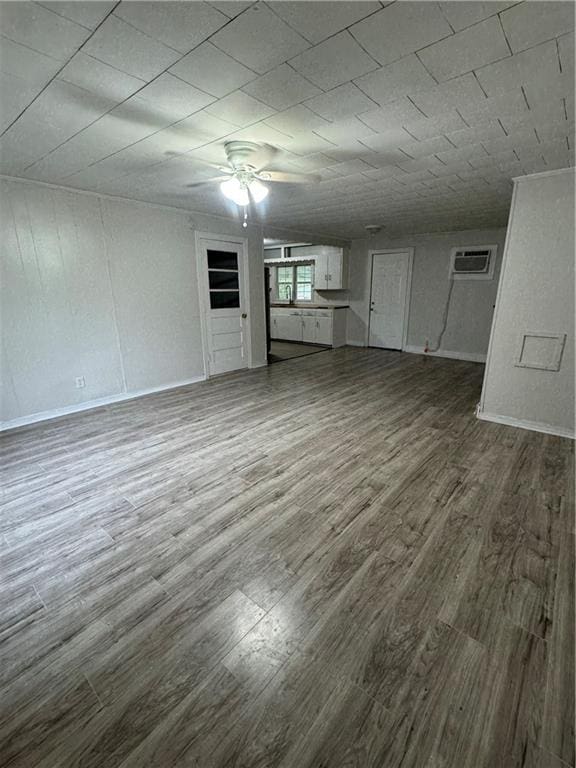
{"x": 288, "y": 291}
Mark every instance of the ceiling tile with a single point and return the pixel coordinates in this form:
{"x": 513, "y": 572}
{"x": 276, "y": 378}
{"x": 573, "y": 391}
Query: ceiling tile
{"x": 213, "y": 153}
{"x": 474, "y": 47}
{"x": 59, "y": 112}
{"x": 240, "y": 109}
{"x": 349, "y": 128}
{"x": 281, "y": 88}
{"x": 549, "y": 131}
{"x": 422, "y": 164}
{"x": 174, "y": 96}
{"x": 212, "y": 70}
{"x": 416, "y": 149}
{"x": 385, "y": 172}
{"x": 484, "y": 132}
{"x": 318, "y": 20}
{"x": 452, "y": 168}
{"x": 231, "y": 7}
{"x": 540, "y": 93}
{"x": 566, "y": 52}
{"x": 100, "y": 78}
{"x": 387, "y": 140}
{"x": 40, "y": 29}
{"x": 89, "y": 14}
{"x": 429, "y": 128}
{"x": 467, "y": 153}
{"x": 105, "y": 136}
{"x": 259, "y": 133}
{"x": 295, "y": 120}
{"x": 396, "y": 114}
{"x": 344, "y": 100}
{"x": 120, "y": 45}
{"x": 551, "y": 112}
{"x": 386, "y": 158}
{"x": 453, "y": 94}
{"x": 310, "y": 163}
{"x": 333, "y": 62}
{"x": 404, "y": 77}
{"x": 464, "y": 14}
{"x": 348, "y": 168}
{"x": 538, "y": 64}
{"x": 179, "y": 25}
{"x": 528, "y": 24}
{"x": 16, "y": 95}
{"x": 305, "y": 143}
{"x": 520, "y": 137}
{"x": 400, "y": 29}
{"x": 94, "y": 177}
{"x": 512, "y": 103}
{"x": 31, "y": 66}
{"x": 202, "y": 128}
{"x": 259, "y": 39}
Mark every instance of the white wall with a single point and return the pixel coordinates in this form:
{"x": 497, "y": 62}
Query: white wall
{"x": 104, "y": 289}
{"x": 472, "y": 302}
{"x": 536, "y": 294}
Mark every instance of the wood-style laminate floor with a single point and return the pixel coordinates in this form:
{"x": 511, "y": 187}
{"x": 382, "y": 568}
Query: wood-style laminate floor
{"x": 323, "y": 564}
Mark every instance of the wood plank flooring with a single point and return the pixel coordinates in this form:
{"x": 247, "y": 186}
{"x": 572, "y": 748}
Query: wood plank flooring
{"x": 323, "y": 564}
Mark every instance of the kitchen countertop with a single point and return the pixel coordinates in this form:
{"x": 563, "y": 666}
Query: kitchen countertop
{"x": 310, "y": 306}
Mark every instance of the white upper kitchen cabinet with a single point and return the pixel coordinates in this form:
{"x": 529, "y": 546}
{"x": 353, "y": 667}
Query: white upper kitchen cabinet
{"x": 330, "y": 273}
{"x": 330, "y": 265}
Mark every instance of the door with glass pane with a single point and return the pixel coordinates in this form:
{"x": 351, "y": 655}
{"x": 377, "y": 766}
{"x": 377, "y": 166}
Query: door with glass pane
{"x": 222, "y": 274}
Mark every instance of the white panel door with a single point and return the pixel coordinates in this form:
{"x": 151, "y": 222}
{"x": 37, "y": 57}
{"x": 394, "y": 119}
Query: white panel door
{"x": 222, "y": 267}
{"x": 388, "y": 299}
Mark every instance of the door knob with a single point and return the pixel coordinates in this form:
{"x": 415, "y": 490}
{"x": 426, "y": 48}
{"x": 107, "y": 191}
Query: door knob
{"x": 244, "y": 315}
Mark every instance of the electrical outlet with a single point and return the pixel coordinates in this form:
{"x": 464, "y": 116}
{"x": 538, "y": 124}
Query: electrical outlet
{"x": 80, "y": 382}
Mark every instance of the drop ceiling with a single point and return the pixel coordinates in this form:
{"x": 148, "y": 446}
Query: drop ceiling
{"x": 416, "y": 115}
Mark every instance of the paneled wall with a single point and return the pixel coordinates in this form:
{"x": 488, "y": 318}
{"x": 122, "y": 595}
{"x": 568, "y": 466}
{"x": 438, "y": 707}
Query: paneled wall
{"x": 471, "y": 305}
{"x": 528, "y": 382}
{"x": 105, "y": 290}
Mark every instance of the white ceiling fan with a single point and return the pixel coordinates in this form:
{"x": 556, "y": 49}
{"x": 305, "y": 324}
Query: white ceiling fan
{"x": 242, "y": 180}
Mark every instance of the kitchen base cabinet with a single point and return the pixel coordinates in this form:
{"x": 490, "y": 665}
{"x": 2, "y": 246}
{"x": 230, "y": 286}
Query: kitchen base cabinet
{"x": 324, "y": 331}
{"x": 286, "y": 327}
{"x": 309, "y": 330}
{"x": 326, "y": 326}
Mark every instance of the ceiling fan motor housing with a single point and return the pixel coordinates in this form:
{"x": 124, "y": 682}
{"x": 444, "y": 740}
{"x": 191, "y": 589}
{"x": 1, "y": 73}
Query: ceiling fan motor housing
{"x": 239, "y": 154}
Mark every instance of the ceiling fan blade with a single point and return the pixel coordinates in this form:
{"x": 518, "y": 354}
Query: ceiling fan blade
{"x": 213, "y": 180}
{"x": 290, "y": 178}
{"x": 263, "y": 156}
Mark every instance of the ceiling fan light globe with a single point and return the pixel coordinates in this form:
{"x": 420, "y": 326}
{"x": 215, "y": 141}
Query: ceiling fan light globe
{"x": 258, "y": 191}
{"x": 235, "y": 191}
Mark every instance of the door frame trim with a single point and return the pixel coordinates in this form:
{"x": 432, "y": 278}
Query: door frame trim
{"x": 202, "y": 283}
{"x": 407, "y": 298}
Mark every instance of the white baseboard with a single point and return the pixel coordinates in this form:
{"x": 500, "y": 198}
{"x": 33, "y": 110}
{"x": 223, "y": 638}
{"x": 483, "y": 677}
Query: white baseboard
{"x": 90, "y": 404}
{"x": 472, "y": 357}
{"x": 355, "y": 343}
{"x": 534, "y": 426}
{"x": 259, "y": 364}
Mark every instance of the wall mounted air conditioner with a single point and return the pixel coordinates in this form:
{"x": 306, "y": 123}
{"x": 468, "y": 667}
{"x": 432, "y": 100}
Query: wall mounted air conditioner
{"x": 474, "y": 262}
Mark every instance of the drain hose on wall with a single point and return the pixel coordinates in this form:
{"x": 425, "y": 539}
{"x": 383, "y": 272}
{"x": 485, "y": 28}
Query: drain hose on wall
{"x": 444, "y": 320}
